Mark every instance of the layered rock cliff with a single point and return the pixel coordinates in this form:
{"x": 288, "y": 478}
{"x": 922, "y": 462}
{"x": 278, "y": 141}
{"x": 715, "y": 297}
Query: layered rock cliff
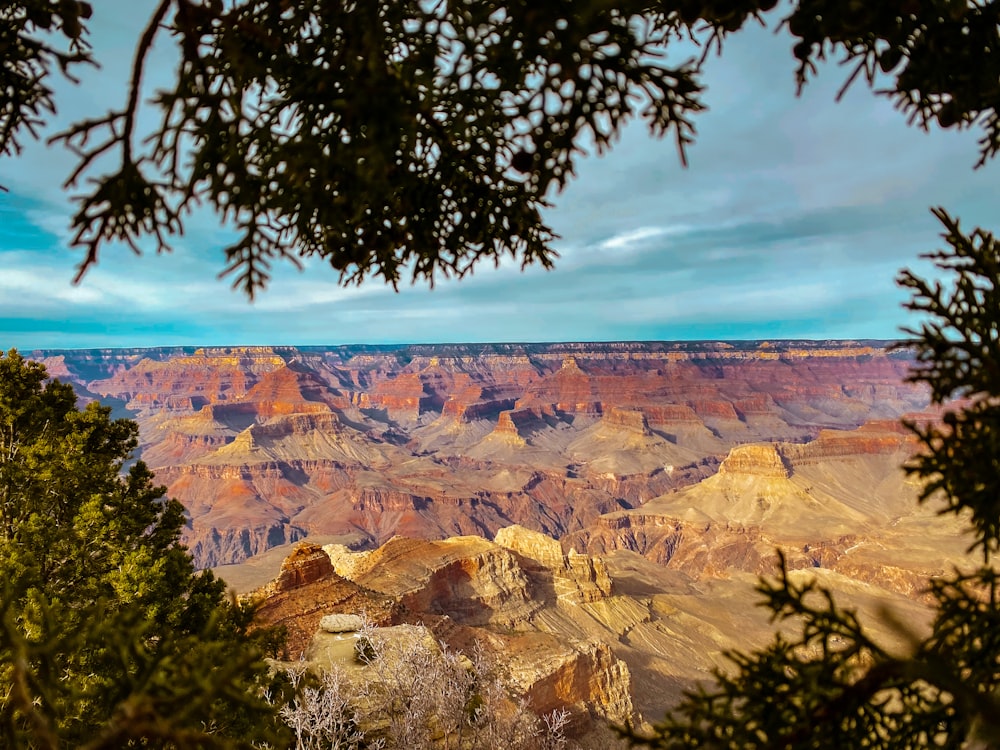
{"x": 267, "y": 445}
{"x": 606, "y": 637}
{"x": 840, "y": 502}
{"x": 468, "y": 591}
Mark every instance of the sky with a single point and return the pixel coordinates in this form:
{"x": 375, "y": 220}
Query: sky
{"x": 792, "y": 220}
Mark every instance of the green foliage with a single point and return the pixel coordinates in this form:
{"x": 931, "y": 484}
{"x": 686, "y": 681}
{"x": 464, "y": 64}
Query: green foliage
{"x": 958, "y": 357}
{"x": 107, "y": 635}
{"x": 832, "y": 686}
{"x": 405, "y": 137}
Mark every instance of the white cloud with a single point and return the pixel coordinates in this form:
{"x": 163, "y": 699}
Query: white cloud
{"x": 630, "y": 239}
{"x": 21, "y": 285}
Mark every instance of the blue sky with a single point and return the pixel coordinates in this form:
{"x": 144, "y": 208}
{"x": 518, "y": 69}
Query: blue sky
{"x": 791, "y": 221}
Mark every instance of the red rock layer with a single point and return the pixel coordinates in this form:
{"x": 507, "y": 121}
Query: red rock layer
{"x": 268, "y": 445}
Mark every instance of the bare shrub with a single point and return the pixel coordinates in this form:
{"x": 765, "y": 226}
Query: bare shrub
{"x": 416, "y": 694}
{"x": 321, "y": 714}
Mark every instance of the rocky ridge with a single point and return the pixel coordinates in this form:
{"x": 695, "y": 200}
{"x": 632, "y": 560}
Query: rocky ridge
{"x": 613, "y": 638}
{"x": 467, "y": 590}
{"x": 841, "y": 502}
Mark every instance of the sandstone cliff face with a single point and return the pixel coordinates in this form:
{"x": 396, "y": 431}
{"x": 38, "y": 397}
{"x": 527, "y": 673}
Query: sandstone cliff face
{"x": 466, "y": 578}
{"x": 234, "y": 541}
{"x": 629, "y": 420}
{"x": 294, "y": 390}
{"x": 575, "y": 578}
{"x": 305, "y": 591}
{"x": 840, "y": 502}
{"x": 205, "y": 376}
{"x": 755, "y": 460}
{"x": 508, "y": 429}
{"x": 542, "y": 549}
{"x": 592, "y": 679}
{"x": 650, "y": 633}
{"x": 307, "y": 564}
{"x": 655, "y": 537}
{"x": 872, "y": 438}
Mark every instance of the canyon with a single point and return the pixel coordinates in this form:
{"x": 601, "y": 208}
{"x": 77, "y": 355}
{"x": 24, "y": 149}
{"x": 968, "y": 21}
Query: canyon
{"x": 595, "y": 513}
{"x": 357, "y": 444}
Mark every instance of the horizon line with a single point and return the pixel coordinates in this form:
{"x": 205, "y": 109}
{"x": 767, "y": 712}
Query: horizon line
{"x": 401, "y": 345}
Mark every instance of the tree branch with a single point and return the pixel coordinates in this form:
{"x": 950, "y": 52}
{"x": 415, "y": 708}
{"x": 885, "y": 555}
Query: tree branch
{"x": 138, "y": 64}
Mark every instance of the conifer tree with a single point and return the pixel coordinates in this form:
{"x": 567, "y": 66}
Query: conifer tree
{"x": 108, "y": 638}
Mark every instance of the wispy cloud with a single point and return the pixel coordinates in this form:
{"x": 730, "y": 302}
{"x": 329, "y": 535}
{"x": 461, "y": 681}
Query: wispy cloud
{"x": 632, "y": 238}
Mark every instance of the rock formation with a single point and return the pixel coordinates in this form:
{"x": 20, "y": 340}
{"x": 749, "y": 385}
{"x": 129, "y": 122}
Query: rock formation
{"x": 269, "y": 445}
{"x": 632, "y": 492}
{"x": 640, "y": 634}
{"x": 307, "y": 564}
{"x": 575, "y": 578}
{"x": 306, "y": 591}
{"x": 466, "y": 590}
{"x": 755, "y": 461}
{"x": 840, "y": 502}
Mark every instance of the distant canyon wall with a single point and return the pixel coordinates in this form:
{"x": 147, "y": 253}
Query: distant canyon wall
{"x": 357, "y": 444}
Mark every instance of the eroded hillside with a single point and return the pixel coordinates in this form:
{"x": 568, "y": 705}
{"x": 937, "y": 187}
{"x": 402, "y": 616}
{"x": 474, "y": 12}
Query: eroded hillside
{"x": 358, "y": 444}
